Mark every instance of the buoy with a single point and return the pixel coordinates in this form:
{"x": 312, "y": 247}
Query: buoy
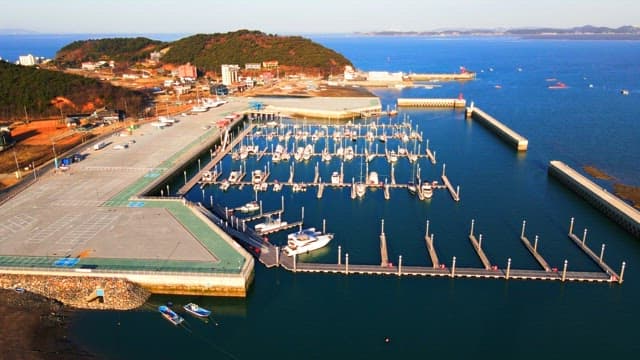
{"x": 387, "y": 340}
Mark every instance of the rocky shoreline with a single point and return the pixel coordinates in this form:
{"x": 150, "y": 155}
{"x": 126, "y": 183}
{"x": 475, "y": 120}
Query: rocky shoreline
{"x": 78, "y": 291}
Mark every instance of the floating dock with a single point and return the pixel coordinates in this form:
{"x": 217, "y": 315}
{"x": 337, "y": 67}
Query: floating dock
{"x": 612, "y": 206}
{"x": 503, "y": 131}
{"x": 534, "y": 249}
{"x": 432, "y": 103}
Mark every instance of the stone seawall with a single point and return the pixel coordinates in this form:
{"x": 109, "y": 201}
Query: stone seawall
{"x": 74, "y": 291}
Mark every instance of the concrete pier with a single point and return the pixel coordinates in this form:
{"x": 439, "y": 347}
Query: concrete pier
{"x": 432, "y": 103}
{"x": 503, "y": 131}
{"x": 477, "y": 246}
{"x": 612, "y": 206}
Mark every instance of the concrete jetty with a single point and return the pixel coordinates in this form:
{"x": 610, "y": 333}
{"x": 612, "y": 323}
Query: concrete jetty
{"x": 337, "y": 108}
{"x": 503, "y": 131}
{"x": 432, "y": 103}
{"x": 612, "y": 206}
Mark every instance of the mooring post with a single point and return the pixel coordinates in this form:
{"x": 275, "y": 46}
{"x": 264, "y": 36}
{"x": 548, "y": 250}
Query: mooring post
{"x": 277, "y": 256}
{"x": 535, "y": 244}
{"x": 624, "y": 264}
{"x": 453, "y": 267}
{"x": 480, "y": 242}
{"x": 382, "y": 226}
{"x": 524, "y": 225}
{"x": 472, "y": 223}
{"x": 602, "y": 252}
{"x": 339, "y": 255}
{"x": 508, "y": 269}
{"x": 260, "y": 206}
{"x": 584, "y": 236}
{"x": 324, "y": 226}
{"x": 443, "y": 168}
{"x": 346, "y": 263}
{"x": 399, "y": 265}
{"x": 226, "y": 213}
{"x": 571, "y": 226}
{"x": 295, "y": 262}
{"x": 427, "y": 231}
{"x": 458, "y": 191}
{"x": 564, "y": 270}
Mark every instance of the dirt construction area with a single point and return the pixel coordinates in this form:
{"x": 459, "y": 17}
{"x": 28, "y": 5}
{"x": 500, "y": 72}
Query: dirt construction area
{"x": 36, "y": 143}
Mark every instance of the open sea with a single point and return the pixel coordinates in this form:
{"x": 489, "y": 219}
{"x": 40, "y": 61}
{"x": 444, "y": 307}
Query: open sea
{"x": 321, "y": 316}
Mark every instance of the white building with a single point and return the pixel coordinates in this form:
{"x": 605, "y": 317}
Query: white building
{"x": 384, "y": 76}
{"x": 27, "y": 60}
{"x": 229, "y": 74}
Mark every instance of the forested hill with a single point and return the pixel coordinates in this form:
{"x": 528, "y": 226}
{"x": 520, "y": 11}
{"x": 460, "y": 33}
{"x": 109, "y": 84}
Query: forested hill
{"x": 209, "y": 51}
{"x": 44, "y": 93}
{"x": 127, "y": 50}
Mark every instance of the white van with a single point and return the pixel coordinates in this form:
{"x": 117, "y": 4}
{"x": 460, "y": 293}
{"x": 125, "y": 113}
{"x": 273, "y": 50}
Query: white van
{"x": 99, "y": 145}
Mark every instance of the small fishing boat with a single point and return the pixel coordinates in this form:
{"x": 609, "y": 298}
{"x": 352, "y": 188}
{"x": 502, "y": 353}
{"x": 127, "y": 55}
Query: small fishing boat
{"x": 170, "y": 315}
{"x": 196, "y": 310}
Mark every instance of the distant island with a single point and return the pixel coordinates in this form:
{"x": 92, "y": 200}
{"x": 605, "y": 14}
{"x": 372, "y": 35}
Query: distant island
{"x": 580, "y": 32}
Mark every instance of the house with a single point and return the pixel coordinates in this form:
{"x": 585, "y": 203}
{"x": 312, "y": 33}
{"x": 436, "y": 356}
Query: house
{"x": 187, "y": 71}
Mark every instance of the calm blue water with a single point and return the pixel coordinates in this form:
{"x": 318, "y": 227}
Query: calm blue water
{"x": 331, "y": 316}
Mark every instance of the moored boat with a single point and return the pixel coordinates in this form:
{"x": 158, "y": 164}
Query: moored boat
{"x": 249, "y": 207}
{"x": 170, "y": 315}
{"x": 305, "y": 241}
{"x": 196, "y": 310}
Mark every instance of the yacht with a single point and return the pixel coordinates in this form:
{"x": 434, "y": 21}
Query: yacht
{"x": 427, "y": 190}
{"x": 234, "y": 177}
{"x": 207, "y": 176}
{"x": 393, "y": 157}
{"x": 257, "y": 176}
{"x": 277, "y": 186}
{"x": 285, "y": 156}
{"x": 335, "y": 178}
{"x": 305, "y": 241}
{"x": 348, "y": 153}
{"x": 361, "y": 189}
{"x": 373, "y": 179}
{"x": 299, "y": 187}
{"x": 326, "y": 155}
{"x": 308, "y": 151}
{"x": 270, "y": 224}
{"x": 370, "y": 156}
{"x": 224, "y": 186}
{"x": 249, "y": 207}
{"x": 299, "y": 153}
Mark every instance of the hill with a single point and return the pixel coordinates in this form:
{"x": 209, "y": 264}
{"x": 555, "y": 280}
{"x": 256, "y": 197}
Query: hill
{"x": 45, "y": 93}
{"x": 209, "y": 51}
{"x": 126, "y": 50}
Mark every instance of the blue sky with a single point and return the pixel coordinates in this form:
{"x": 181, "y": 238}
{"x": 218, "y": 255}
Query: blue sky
{"x": 307, "y": 16}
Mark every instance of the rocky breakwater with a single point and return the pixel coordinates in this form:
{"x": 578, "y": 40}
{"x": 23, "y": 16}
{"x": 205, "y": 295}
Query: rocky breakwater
{"x": 81, "y": 292}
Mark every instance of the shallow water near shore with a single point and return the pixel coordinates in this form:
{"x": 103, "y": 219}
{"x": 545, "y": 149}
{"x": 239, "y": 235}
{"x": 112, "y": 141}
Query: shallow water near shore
{"x": 321, "y": 316}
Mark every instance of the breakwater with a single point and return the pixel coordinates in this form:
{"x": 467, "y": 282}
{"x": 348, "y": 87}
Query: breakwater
{"x": 503, "y": 131}
{"x": 432, "y": 103}
{"x": 77, "y": 291}
{"x": 612, "y": 206}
